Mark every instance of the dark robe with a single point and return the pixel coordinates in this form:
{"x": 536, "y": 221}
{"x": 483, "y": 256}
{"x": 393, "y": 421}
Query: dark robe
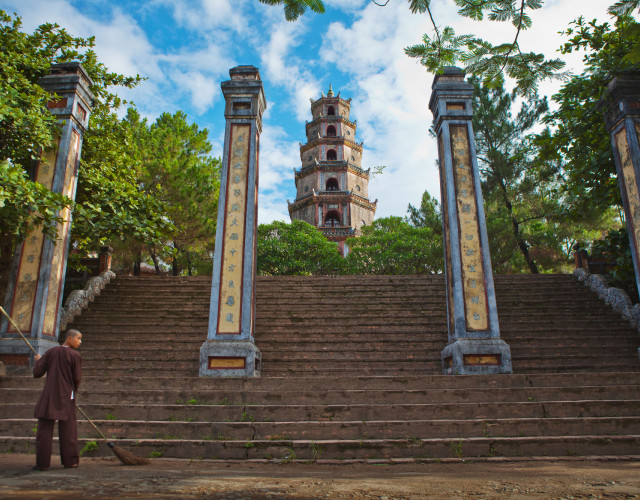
{"x": 63, "y": 367}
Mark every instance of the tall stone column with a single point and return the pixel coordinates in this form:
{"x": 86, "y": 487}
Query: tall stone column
{"x": 229, "y": 350}
{"x": 36, "y": 280}
{"x": 474, "y": 345}
{"x": 621, "y": 107}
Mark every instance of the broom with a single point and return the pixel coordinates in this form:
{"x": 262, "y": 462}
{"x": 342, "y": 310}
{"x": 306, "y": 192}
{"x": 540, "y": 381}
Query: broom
{"x": 124, "y": 456}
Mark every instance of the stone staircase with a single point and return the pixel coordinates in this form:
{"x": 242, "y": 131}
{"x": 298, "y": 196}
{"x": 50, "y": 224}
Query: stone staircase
{"x": 350, "y": 371}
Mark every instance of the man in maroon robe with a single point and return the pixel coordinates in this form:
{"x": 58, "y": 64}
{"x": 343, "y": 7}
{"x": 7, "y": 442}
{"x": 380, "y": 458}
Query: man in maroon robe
{"x": 63, "y": 367}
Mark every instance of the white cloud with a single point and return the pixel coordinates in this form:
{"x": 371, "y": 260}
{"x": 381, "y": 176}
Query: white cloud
{"x": 278, "y": 157}
{"x": 205, "y": 15}
{"x": 390, "y": 93}
{"x": 285, "y": 70}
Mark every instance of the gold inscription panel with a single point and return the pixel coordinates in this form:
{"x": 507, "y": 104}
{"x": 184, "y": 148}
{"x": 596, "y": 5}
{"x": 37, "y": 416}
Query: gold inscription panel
{"x": 223, "y": 363}
{"x": 630, "y": 183}
{"x": 27, "y": 279}
{"x": 230, "y": 305}
{"x": 475, "y": 296}
{"x": 60, "y": 249}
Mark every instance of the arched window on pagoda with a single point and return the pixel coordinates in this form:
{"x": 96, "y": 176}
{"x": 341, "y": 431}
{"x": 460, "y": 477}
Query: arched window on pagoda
{"x": 331, "y": 111}
{"x": 332, "y": 184}
{"x": 332, "y": 219}
{"x": 332, "y": 155}
{"x": 331, "y": 131}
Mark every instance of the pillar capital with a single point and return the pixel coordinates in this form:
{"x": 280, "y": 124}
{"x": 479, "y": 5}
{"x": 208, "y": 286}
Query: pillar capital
{"x": 451, "y": 97}
{"x": 72, "y": 86}
{"x": 621, "y": 99}
{"x": 244, "y": 95}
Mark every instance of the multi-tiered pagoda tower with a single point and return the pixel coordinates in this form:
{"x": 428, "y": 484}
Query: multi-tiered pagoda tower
{"x": 332, "y": 188}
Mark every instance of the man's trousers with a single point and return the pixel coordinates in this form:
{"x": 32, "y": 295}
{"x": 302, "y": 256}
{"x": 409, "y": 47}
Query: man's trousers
{"x": 68, "y": 434}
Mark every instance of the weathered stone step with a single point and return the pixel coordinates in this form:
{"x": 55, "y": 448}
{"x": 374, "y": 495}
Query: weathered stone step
{"x": 345, "y": 430}
{"x": 340, "y": 396}
{"x": 192, "y": 411}
{"x": 290, "y": 450}
{"x": 314, "y": 383}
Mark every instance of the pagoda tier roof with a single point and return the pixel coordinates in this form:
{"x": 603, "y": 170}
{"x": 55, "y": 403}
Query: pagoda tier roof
{"x": 335, "y": 99}
{"x": 336, "y": 165}
{"x": 332, "y": 118}
{"x": 330, "y": 141}
{"x": 339, "y": 233}
{"x": 336, "y": 196}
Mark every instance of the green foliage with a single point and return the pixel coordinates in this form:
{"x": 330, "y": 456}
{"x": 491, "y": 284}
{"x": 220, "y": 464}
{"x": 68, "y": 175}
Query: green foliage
{"x": 427, "y": 215}
{"x": 576, "y": 139}
{"x": 518, "y": 194}
{"x": 393, "y": 246}
{"x": 296, "y": 249}
{"x": 293, "y": 9}
{"x": 89, "y": 447}
{"x": 38, "y": 206}
{"x": 175, "y": 168}
{"x": 481, "y": 58}
{"x": 110, "y": 206}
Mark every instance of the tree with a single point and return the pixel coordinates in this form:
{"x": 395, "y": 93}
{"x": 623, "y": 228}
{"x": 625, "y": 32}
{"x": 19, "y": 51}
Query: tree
{"x": 576, "y": 138}
{"x": 296, "y": 249}
{"x": 27, "y": 127}
{"x": 517, "y": 192}
{"x": 427, "y": 215}
{"x": 393, "y": 246}
{"x": 178, "y": 170}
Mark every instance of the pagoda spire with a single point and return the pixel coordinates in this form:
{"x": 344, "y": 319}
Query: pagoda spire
{"x": 330, "y": 93}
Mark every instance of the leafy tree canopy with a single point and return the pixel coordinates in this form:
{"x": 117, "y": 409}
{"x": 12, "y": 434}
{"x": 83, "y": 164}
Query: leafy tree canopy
{"x": 392, "y": 245}
{"x": 296, "y": 249}
{"x": 576, "y": 139}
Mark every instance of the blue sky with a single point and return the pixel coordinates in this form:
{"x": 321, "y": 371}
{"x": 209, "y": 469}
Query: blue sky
{"x": 186, "y": 47}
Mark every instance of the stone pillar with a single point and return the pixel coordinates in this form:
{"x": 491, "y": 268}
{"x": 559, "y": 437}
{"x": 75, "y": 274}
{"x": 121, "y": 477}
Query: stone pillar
{"x": 474, "y": 345}
{"x": 39, "y": 264}
{"x": 229, "y": 350}
{"x": 621, "y": 107}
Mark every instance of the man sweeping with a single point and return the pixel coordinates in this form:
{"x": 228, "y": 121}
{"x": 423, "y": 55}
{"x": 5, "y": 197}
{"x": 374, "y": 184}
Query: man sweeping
{"x": 63, "y": 367}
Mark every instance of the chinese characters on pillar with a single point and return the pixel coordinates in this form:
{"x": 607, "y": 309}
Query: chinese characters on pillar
{"x": 475, "y": 298}
{"x": 230, "y": 306}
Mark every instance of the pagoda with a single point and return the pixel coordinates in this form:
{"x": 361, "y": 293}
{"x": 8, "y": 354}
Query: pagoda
{"x": 332, "y": 188}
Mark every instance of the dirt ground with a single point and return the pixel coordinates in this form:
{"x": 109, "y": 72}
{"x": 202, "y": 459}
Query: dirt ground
{"x": 172, "y": 479}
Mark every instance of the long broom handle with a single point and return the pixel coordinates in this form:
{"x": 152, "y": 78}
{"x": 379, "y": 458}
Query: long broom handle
{"x": 94, "y": 425}
{"x": 18, "y": 330}
{"x": 34, "y": 352}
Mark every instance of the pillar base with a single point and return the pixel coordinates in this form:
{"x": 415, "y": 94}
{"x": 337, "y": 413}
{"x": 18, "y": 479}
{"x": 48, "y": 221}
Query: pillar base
{"x": 15, "y": 353}
{"x": 219, "y": 358}
{"x": 476, "y": 357}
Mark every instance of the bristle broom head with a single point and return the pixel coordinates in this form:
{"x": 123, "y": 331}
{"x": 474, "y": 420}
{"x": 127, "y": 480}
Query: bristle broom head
{"x": 126, "y": 457}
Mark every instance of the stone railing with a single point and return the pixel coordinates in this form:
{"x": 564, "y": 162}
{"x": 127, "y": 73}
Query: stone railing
{"x": 615, "y": 297}
{"x": 79, "y": 299}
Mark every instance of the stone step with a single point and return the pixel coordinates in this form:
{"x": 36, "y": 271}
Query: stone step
{"x": 190, "y": 412}
{"x": 287, "y": 451}
{"x": 611, "y": 380}
{"x": 340, "y": 396}
{"x": 248, "y": 429}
